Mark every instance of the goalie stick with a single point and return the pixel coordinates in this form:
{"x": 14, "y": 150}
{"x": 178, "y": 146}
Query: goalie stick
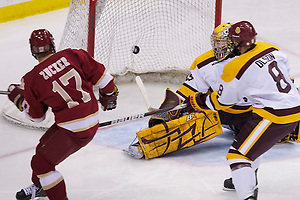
{"x": 4, "y": 92}
{"x": 142, "y": 115}
{"x": 142, "y": 88}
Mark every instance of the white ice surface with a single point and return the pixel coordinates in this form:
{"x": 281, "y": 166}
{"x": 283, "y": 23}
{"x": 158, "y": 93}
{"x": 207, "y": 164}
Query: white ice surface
{"x": 102, "y": 171}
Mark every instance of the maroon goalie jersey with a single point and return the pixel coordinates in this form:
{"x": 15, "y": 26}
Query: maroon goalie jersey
{"x": 64, "y": 82}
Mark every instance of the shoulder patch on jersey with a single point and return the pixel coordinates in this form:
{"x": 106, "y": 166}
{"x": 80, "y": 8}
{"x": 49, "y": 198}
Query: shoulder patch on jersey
{"x": 239, "y": 65}
{"x": 203, "y": 59}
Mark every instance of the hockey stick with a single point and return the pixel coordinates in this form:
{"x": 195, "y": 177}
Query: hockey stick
{"x": 142, "y": 88}
{"x": 101, "y": 124}
{"x": 19, "y": 122}
{"x": 142, "y": 115}
{"x": 4, "y": 92}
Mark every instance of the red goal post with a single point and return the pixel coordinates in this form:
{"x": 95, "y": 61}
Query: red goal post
{"x": 142, "y": 37}
{"x": 218, "y": 12}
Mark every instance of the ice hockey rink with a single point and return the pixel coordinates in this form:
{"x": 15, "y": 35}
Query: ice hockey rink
{"x": 102, "y": 171}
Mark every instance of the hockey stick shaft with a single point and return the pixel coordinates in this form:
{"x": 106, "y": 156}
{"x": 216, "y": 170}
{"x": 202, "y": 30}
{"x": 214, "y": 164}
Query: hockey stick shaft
{"x": 142, "y": 88}
{"x": 4, "y": 92}
{"x": 139, "y": 116}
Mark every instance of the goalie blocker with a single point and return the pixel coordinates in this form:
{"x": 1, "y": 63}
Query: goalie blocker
{"x": 178, "y": 134}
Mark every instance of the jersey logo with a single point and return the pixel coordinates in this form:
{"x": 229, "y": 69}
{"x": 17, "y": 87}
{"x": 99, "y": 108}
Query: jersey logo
{"x": 237, "y": 30}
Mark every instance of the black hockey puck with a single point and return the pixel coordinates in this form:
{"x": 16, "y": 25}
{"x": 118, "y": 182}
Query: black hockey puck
{"x": 136, "y": 49}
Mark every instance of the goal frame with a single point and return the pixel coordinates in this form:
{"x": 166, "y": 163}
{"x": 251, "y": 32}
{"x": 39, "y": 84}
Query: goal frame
{"x": 92, "y": 27}
{"x": 92, "y": 23}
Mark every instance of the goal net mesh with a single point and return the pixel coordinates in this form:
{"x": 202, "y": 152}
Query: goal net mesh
{"x": 161, "y": 37}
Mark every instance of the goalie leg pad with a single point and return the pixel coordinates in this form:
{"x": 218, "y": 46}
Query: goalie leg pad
{"x": 178, "y": 134}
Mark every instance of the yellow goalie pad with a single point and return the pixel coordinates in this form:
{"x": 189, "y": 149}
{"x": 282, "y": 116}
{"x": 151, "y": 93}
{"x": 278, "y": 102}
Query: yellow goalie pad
{"x": 180, "y": 133}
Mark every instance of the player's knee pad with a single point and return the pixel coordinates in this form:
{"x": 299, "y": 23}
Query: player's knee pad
{"x": 40, "y": 165}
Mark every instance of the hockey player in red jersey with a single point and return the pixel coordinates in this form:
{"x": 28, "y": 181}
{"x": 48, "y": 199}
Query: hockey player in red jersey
{"x": 62, "y": 81}
{"x": 259, "y": 75}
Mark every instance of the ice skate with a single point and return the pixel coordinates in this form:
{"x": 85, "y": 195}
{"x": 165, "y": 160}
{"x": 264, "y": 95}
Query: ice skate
{"x": 229, "y": 186}
{"x": 254, "y": 197}
{"x": 30, "y": 192}
{"x": 135, "y": 150}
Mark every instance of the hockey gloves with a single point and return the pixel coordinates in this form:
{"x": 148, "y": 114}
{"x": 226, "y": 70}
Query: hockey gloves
{"x": 195, "y": 102}
{"x": 171, "y": 100}
{"x": 108, "y": 101}
{"x": 16, "y": 96}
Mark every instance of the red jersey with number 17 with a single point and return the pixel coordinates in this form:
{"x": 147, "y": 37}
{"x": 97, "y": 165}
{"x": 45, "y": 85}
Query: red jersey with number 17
{"x": 64, "y": 82}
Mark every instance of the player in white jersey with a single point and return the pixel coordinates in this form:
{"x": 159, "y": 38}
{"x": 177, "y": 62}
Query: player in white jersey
{"x": 205, "y": 75}
{"x": 259, "y": 75}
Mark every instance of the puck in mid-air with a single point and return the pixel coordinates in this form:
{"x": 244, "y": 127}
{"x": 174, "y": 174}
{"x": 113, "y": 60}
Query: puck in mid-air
{"x": 136, "y": 49}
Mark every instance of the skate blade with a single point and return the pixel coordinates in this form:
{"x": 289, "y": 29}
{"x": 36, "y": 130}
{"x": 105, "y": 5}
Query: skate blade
{"x": 136, "y": 156}
{"x": 228, "y": 189}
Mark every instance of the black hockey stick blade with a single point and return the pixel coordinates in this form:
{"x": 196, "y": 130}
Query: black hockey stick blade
{"x": 142, "y": 115}
{"x": 4, "y": 92}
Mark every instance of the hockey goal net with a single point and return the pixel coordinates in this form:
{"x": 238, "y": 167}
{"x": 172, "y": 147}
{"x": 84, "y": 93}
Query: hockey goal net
{"x": 151, "y": 38}
{"x": 157, "y": 37}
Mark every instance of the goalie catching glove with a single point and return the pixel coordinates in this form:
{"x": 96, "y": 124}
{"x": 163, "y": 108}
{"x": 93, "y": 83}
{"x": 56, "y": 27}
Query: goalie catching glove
{"x": 171, "y": 100}
{"x": 107, "y": 99}
{"x": 16, "y": 96}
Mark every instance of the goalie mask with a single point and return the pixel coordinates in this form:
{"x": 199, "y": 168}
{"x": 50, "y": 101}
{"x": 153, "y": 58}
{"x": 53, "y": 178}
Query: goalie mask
{"x": 220, "y": 41}
{"x": 41, "y": 41}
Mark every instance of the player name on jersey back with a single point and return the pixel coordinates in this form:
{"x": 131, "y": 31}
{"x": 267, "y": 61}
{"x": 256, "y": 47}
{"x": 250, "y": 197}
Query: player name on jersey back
{"x": 55, "y": 67}
{"x": 264, "y": 60}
